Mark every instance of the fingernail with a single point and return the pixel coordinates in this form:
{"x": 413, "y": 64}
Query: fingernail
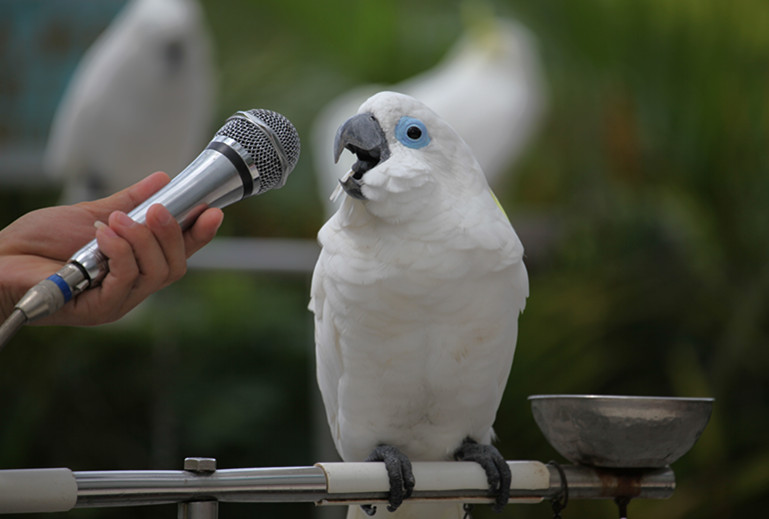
{"x": 164, "y": 217}
{"x": 221, "y": 221}
{"x": 122, "y": 219}
{"x": 104, "y": 228}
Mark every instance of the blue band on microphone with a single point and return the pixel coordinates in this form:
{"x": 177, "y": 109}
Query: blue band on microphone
{"x": 237, "y": 161}
{"x": 63, "y": 286}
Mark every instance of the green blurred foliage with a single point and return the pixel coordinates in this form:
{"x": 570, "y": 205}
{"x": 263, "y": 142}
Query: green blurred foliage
{"x": 651, "y": 174}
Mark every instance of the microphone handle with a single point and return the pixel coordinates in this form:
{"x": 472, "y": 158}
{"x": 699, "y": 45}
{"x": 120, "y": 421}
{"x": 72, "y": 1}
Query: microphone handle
{"x": 207, "y": 182}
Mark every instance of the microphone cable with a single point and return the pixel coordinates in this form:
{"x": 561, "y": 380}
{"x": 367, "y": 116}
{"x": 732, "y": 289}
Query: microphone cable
{"x": 11, "y": 325}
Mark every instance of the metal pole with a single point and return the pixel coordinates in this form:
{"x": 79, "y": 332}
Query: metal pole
{"x": 151, "y": 487}
{"x": 207, "y": 509}
{"x": 593, "y": 483}
{"x": 311, "y": 484}
{"x": 198, "y": 510}
{"x": 200, "y": 489}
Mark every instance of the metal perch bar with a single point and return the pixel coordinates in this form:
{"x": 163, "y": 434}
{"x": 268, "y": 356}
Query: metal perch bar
{"x": 60, "y": 490}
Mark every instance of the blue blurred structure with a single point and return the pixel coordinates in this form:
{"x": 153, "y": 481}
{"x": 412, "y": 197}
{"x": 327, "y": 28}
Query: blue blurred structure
{"x": 41, "y": 43}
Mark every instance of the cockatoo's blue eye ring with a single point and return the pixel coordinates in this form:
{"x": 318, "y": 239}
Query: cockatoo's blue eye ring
{"x": 412, "y": 132}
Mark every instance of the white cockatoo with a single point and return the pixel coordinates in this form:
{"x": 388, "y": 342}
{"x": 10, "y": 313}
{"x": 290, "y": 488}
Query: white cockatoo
{"x": 489, "y": 87}
{"x": 140, "y": 100}
{"x": 416, "y": 295}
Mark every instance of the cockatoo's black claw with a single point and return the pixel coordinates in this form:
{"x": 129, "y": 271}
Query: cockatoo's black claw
{"x": 398, "y": 472}
{"x": 493, "y": 463}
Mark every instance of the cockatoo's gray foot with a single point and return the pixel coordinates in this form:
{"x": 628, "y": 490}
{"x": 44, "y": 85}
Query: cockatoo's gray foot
{"x": 497, "y": 470}
{"x": 398, "y": 472}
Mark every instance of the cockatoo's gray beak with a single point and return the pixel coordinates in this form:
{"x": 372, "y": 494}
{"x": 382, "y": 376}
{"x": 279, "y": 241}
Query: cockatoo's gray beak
{"x": 362, "y": 135}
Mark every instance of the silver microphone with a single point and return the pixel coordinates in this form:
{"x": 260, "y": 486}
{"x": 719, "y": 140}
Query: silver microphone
{"x": 252, "y": 153}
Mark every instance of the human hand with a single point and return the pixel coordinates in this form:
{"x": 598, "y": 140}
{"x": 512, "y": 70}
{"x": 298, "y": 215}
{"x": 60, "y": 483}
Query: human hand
{"x": 142, "y": 258}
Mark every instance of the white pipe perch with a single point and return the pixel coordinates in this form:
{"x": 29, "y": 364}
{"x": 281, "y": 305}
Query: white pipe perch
{"x": 432, "y": 478}
{"x": 37, "y": 490}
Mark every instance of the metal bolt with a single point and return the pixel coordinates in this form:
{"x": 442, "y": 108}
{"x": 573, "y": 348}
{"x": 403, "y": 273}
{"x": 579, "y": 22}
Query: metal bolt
{"x": 204, "y": 465}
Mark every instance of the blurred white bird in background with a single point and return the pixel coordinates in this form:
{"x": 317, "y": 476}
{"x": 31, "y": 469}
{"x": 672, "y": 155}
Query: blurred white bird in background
{"x": 489, "y": 87}
{"x": 141, "y": 100}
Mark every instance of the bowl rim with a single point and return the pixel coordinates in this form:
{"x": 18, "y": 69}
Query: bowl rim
{"x": 590, "y": 396}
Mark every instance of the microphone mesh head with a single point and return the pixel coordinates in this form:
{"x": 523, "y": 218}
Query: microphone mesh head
{"x": 272, "y": 163}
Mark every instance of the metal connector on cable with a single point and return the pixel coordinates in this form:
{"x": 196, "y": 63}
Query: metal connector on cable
{"x": 52, "y": 293}
{"x": 45, "y": 298}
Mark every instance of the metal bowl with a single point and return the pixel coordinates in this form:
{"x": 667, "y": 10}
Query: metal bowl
{"x": 621, "y": 431}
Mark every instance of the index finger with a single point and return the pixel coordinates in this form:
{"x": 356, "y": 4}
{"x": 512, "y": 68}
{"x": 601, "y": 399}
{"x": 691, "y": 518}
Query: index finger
{"x": 128, "y": 198}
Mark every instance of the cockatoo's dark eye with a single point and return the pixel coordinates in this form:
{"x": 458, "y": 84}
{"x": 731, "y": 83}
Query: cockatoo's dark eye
{"x": 412, "y": 132}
